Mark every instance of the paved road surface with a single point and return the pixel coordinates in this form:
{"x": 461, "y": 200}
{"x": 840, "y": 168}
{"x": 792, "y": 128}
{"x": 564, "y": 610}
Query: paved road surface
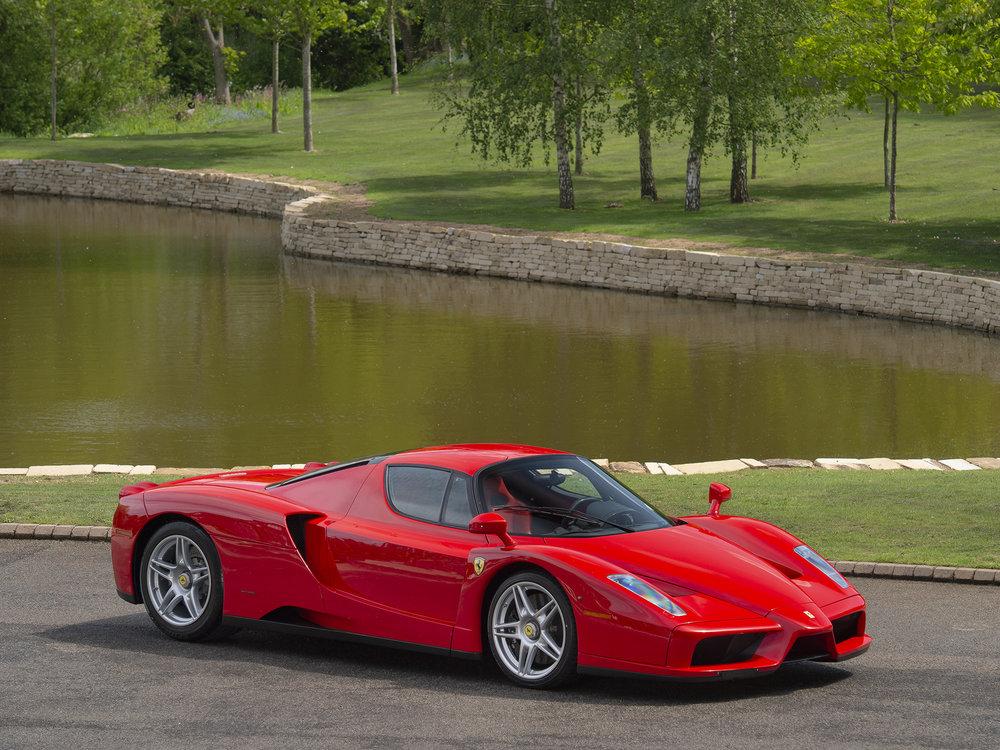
{"x": 79, "y": 668}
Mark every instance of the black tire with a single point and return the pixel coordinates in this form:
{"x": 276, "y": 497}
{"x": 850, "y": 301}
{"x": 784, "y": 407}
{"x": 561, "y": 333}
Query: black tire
{"x": 207, "y": 624}
{"x": 564, "y": 669}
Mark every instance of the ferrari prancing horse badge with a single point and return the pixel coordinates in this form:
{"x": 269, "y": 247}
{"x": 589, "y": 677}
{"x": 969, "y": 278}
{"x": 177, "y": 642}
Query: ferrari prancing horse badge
{"x": 478, "y": 564}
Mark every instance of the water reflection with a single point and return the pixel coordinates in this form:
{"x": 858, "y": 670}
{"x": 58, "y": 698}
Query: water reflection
{"x": 182, "y": 337}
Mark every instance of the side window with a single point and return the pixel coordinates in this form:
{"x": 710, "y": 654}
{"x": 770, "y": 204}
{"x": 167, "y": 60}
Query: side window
{"x": 457, "y": 506}
{"x": 417, "y": 491}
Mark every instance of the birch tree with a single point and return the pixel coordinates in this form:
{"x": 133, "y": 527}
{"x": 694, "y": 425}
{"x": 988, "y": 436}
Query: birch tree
{"x": 310, "y": 18}
{"x": 273, "y": 20}
{"x": 518, "y": 89}
{"x": 909, "y": 54}
{"x": 768, "y": 100}
{"x": 638, "y": 33}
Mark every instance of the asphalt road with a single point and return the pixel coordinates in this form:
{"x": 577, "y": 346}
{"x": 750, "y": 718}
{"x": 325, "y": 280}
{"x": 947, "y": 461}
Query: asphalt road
{"x": 80, "y": 668}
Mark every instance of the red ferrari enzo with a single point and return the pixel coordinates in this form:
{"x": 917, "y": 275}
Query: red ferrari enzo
{"x": 535, "y": 555}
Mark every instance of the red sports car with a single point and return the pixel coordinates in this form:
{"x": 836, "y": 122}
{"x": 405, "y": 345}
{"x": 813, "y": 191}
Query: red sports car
{"x": 537, "y": 556}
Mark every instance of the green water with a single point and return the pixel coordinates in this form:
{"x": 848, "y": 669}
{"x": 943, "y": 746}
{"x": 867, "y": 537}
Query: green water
{"x": 137, "y": 334}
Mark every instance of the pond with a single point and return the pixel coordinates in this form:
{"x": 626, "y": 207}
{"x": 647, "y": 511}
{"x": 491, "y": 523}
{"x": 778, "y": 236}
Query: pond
{"x": 180, "y": 337}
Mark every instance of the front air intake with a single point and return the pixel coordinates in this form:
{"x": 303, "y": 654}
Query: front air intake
{"x": 808, "y": 647}
{"x": 726, "y": 649}
{"x": 846, "y": 627}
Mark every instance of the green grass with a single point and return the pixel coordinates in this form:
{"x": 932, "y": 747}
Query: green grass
{"x": 81, "y": 501}
{"x": 949, "y": 190}
{"x": 913, "y": 517}
{"x": 931, "y": 517}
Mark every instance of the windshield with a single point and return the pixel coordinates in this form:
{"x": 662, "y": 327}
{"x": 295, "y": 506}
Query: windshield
{"x": 564, "y": 495}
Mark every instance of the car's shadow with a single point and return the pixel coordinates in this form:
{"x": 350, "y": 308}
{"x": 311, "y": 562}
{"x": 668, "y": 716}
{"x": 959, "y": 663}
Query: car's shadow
{"x": 133, "y": 638}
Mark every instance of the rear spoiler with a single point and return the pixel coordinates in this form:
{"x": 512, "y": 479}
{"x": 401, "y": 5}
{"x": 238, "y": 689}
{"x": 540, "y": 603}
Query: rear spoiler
{"x": 131, "y": 489}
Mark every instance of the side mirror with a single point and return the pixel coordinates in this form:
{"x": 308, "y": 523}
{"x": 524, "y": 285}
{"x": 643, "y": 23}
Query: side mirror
{"x": 492, "y": 524}
{"x": 718, "y": 493}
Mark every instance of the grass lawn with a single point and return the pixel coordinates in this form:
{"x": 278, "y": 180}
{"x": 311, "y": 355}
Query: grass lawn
{"x": 833, "y": 202}
{"x": 81, "y": 501}
{"x": 915, "y": 517}
{"x": 927, "y": 517}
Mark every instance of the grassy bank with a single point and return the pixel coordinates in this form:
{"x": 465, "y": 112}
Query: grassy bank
{"x": 833, "y": 203}
{"x": 914, "y": 517}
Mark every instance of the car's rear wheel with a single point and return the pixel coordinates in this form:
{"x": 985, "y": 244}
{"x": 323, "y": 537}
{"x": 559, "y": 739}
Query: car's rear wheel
{"x": 531, "y": 631}
{"x": 181, "y": 581}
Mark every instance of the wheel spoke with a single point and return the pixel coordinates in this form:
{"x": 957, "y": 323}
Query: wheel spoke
{"x": 180, "y": 551}
{"x": 549, "y": 647}
{"x": 194, "y": 608}
{"x": 161, "y": 568}
{"x": 170, "y": 601}
{"x": 543, "y": 613}
{"x": 525, "y": 659}
{"x": 523, "y": 604}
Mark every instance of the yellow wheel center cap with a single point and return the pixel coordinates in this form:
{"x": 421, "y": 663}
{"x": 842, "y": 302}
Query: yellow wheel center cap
{"x": 529, "y": 630}
{"x": 184, "y": 580}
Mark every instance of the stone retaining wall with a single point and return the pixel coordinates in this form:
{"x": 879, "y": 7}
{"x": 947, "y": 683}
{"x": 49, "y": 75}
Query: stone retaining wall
{"x": 907, "y": 294}
{"x": 168, "y": 187}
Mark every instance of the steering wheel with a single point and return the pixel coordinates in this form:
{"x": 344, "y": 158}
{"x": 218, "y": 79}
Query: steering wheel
{"x": 582, "y": 502}
{"x": 622, "y": 518}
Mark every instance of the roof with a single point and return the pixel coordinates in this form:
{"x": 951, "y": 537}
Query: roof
{"x": 468, "y": 458}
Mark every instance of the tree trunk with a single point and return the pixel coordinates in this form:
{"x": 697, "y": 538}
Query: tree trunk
{"x": 566, "y": 197}
{"x": 307, "y": 124}
{"x": 217, "y": 44}
{"x": 647, "y": 180}
{"x": 739, "y": 187}
{"x": 892, "y": 158}
{"x": 753, "y": 157}
{"x": 393, "y": 65}
{"x": 696, "y": 146}
{"x": 578, "y": 133}
{"x": 885, "y": 140}
{"x": 54, "y": 63}
{"x": 275, "y": 83}
{"x": 692, "y": 188}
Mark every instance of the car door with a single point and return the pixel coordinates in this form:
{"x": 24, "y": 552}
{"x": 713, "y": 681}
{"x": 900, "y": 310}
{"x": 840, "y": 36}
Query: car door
{"x": 402, "y": 552}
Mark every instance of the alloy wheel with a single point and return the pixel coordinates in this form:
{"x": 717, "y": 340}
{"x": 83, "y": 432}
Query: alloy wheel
{"x": 528, "y": 630}
{"x": 178, "y": 580}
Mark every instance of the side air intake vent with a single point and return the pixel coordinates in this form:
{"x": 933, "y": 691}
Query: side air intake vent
{"x": 296, "y": 523}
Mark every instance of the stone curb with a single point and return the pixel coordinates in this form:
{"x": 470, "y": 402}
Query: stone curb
{"x": 941, "y": 573}
{"x": 55, "y": 531}
{"x": 626, "y": 467}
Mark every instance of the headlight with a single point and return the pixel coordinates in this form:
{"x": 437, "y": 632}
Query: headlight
{"x": 640, "y": 588}
{"x": 830, "y": 571}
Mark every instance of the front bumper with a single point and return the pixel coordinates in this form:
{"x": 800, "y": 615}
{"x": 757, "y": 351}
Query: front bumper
{"x": 831, "y": 634}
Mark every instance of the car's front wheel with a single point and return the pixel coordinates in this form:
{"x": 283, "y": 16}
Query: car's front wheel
{"x": 531, "y": 631}
{"x": 181, "y": 582}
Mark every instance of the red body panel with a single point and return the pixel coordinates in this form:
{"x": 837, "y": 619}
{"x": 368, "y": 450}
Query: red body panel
{"x": 365, "y": 569}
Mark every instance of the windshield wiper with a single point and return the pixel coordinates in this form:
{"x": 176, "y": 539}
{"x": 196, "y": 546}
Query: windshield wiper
{"x": 561, "y": 513}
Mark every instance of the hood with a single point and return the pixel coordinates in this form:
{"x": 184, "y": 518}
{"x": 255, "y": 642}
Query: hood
{"x": 684, "y": 559}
